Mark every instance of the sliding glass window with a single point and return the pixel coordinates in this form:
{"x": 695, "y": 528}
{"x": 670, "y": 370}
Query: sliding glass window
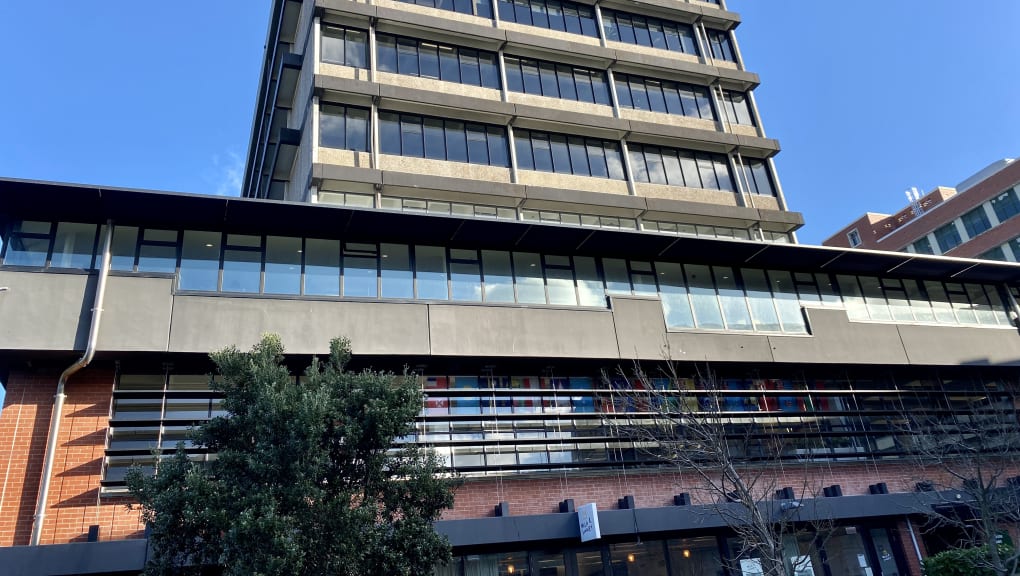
{"x": 663, "y": 96}
{"x": 414, "y": 57}
{"x": 440, "y": 139}
{"x": 553, "y": 80}
{"x": 660, "y": 165}
{"x": 561, "y": 15}
{"x": 345, "y": 46}
{"x": 344, "y": 127}
{"x": 565, "y": 154}
{"x": 650, "y": 32}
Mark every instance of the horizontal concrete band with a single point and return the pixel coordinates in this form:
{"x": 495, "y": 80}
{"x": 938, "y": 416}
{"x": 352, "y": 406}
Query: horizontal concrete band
{"x": 532, "y": 530}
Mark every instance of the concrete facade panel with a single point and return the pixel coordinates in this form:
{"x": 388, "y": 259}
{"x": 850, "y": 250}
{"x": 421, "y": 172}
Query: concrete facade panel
{"x": 473, "y": 172}
{"x": 531, "y": 100}
{"x": 665, "y": 192}
{"x": 458, "y": 330}
{"x": 345, "y": 157}
{"x": 344, "y": 72}
{"x": 41, "y": 311}
{"x": 136, "y": 314}
{"x": 454, "y": 88}
{"x": 204, "y": 323}
{"x": 836, "y": 340}
{"x": 642, "y": 117}
{"x": 571, "y": 182}
{"x": 958, "y": 345}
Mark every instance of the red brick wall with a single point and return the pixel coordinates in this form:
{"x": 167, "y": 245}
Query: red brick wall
{"x": 73, "y": 503}
{"x": 477, "y": 497}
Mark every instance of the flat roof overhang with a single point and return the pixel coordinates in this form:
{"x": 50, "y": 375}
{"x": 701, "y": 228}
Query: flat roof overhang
{"x": 23, "y": 199}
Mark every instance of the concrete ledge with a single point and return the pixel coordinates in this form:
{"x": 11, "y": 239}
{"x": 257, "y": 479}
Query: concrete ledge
{"x": 347, "y": 7}
{"x": 476, "y": 191}
{"x": 558, "y": 50}
{"x": 543, "y": 198}
{"x": 349, "y": 85}
{"x": 346, "y": 173}
{"x": 681, "y": 210}
{"x": 416, "y": 101}
{"x": 440, "y": 27}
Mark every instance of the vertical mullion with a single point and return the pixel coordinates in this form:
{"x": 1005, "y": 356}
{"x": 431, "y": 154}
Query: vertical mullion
{"x": 51, "y": 245}
{"x": 223, "y": 255}
{"x": 262, "y": 264}
{"x": 304, "y": 249}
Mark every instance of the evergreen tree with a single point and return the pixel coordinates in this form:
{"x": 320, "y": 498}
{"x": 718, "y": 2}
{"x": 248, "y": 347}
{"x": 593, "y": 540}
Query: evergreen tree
{"x": 305, "y": 481}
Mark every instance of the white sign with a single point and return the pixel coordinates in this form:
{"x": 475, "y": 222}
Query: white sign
{"x": 751, "y": 567}
{"x": 588, "y": 520}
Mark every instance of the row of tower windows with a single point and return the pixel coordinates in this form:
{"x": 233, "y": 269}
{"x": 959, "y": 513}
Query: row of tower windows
{"x": 426, "y": 59}
{"x": 575, "y": 18}
{"x": 347, "y": 127}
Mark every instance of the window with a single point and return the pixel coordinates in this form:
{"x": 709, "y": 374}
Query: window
{"x": 413, "y": 57}
{"x": 976, "y": 221}
{"x": 996, "y": 253}
{"x": 345, "y": 46}
{"x": 568, "y": 155}
{"x": 452, "y": 140}
{"x": 200, "y": 261}
{"x": 948, "y": 237}
{"x": 73, "y": 245}
{"x": 719, "y": 43}
{"x": 481, "y": 8}
{"x": 923, "y": 246}
{"x": 663, "y": 96}
{"x": 29, "y": 244}
{"x": 650, "y": 32}
{"x": 1006, "y": 205}
{"x": 556, "y": 80}
{"x": 242, "y": 263}
{"x": 561, "y": 15}
{"x": 658, "y": 165}
{"x": 738, "y": 107}
{"x": 157, "y": 251}
{"x": 344, "y": 127}
{"x": 759, "y": 177}
{"x": 854, "y": 237}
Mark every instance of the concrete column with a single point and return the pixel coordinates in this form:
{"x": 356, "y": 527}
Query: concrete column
{"x": 961, "y": 230}
{"x": 1007, "y": 250}
{"x": 628, "y": 171}
{"x": 754, "y": 111}
{"x": 736, "y": 162}
{"x": 701, "y": 38}
{"x": 503, "y": 89}
{"x": 316, "y": 43}
{"x": 934, "y": 244}
{"x": 374, "y": 127}
{"x": 736, "y": 49}
{"x": 510, "y": 142}
{"x": 611, "y": 79}
{"x": 598, "y": 22}
{"x": 314, "y": 111}
{"x": 371, "y": 52}
{"x": 992, "y": 216}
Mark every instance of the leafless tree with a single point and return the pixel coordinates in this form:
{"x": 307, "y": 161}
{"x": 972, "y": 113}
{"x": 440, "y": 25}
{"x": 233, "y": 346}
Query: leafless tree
{"x": 740, "y": 457}
{"x": 965, "y": 441}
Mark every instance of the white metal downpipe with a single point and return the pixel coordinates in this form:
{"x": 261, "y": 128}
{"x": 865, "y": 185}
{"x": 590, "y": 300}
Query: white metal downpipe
{"x": 58, "y": 402}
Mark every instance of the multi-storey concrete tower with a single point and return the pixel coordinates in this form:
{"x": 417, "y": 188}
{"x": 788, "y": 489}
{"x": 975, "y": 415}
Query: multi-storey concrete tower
{"x": 621, "y": 114}
{"x": 514, "y": 201}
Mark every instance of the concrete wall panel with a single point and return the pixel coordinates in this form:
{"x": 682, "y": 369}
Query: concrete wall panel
{"x": 41, "y": 311}
{"x": 958, "y": 345}
{"x": 136, "y": 314}
{"x": 837, "y": 340}
{"x": 458, "y": 330}
{"x": 206, "y": 323}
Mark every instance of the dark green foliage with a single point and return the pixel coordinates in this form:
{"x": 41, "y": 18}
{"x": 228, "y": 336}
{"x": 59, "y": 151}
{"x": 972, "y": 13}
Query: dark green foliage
{"x": 305, "y": 480}
{"x": 963, "y": 562}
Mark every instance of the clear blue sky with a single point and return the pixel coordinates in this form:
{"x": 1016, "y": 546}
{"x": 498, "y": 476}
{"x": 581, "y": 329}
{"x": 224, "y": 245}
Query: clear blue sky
{"x": 867, "y": 98}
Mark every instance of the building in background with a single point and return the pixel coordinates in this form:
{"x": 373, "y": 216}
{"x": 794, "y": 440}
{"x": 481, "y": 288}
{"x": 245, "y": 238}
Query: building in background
{"x": 973, "y": 220}
{"x": 512, "y": 199}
